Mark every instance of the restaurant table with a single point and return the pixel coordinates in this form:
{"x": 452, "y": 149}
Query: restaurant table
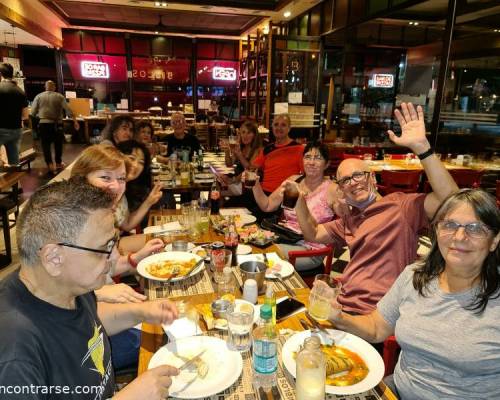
{"x": 153, "y": 336}
{"x": 402, "y": 165}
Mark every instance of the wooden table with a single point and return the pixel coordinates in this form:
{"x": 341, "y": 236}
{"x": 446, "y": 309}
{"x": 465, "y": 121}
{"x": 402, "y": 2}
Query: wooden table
{"x": 153, "y": 336}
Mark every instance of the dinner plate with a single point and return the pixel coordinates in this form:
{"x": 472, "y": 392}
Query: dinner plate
{"x": 286, "y": 270}
{"x": 238, "y": 303}
{"x": 243, "y": 249}
{"x": 246, "y": 219}
{"x": 170, "y": 255}
{"x": 203, "y": 176}
{"x": 190, "y": 246}
{"x": 351, "y": 342}
{"x": 187, "y": 385}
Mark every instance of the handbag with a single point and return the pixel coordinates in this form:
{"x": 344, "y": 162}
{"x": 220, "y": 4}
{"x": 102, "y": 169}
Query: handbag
{"x": 285, "y": 235}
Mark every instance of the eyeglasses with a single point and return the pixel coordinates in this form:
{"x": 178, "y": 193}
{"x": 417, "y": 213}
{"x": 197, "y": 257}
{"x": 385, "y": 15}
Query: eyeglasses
{"x": 356, "y": 177}
{"x": 109, "y": 246}
{"x": 313, "y": 158}
{"x": 476, "y": 230}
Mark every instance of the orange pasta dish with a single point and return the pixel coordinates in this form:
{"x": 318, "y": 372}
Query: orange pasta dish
{"x": 167, "y": 268}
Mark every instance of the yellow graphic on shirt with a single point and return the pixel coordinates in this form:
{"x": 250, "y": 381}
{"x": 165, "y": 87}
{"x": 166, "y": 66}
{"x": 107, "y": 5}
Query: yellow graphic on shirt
{"x": 96, "y": 350}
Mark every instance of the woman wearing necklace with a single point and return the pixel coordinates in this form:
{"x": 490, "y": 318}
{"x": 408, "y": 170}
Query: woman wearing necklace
{"x": 319, "y": 194}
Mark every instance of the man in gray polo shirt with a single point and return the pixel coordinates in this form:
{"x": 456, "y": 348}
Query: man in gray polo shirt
{"x": 48, "y": 106}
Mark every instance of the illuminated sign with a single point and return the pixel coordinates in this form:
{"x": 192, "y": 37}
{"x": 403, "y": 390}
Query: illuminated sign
{"x": 224, "y": 74}
{"x": 382, "y": 81}
{"x": 94, "y": 69}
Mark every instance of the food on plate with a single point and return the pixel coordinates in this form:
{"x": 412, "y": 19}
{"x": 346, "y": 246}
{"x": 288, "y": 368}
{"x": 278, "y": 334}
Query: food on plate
{"x": 206, "y": 312}
{"x": 254, "y": 233}
{"x": 201, "y": 367}
{"x": 343, "y": 367}
{"x": 167, "y": 268}
{"x": 202, "y": 253}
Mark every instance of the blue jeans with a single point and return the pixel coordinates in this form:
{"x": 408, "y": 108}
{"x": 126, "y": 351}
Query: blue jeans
{"x": 11, "y": 139}
{"x": 125, "y": 348}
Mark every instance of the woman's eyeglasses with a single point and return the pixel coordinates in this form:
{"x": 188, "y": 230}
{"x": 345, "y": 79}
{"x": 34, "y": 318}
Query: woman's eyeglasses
{"x": 313, "y": 158}
{"x": 476, "y": 230}
{"x": 356, "y": 177}
{"x": 109, "y": 246}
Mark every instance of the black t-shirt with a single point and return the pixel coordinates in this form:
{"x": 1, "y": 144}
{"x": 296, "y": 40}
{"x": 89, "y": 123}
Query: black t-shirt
{"x": 189, "y": 142}
{"x": 13, "y": 100}
{"x": 49, "y": 352}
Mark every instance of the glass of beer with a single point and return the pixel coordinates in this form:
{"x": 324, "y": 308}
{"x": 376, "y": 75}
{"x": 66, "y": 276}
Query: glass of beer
{"x": 250, "y": 177}
{"x": 325, "y": 289}
{"x": 290, "y": 196}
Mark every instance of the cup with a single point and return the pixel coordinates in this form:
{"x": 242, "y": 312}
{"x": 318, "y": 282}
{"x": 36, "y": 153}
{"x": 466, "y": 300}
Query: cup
{"x": 290, "y": 197}
{"x": 185, "y": 178}
{"x": 250, "y": 291}
{"x": 239, "y": 325}
{"x": 325, "y": 289}
{"x": 203, "y": 220}
{"x": 179, "y": 245}
{"x": 219, "y": 259}
{"x": 250, "y": 177}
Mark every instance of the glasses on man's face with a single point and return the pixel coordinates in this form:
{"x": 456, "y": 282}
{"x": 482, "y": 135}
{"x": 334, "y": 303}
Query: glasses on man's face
{"x": 108, "y": 248}
{"x": 356, "y": 177}
{"x": 309, "y": 157}
{"x": 475, "y": 230}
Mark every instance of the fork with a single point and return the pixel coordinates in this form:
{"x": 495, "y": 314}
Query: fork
{"x": 191, "y": 361}
{"x": 175, "y": 272}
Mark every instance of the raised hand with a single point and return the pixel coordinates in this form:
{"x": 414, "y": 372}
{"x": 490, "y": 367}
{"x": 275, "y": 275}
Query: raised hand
{"x": 155, "y": 194}
{"x": 412, "y": 128}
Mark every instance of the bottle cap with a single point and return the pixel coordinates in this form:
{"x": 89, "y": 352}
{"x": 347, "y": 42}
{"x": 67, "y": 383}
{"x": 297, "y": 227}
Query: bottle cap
{"x": 266, "y": 311}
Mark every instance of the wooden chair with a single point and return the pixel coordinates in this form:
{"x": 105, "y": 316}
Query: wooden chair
{"x": 202, "y": 134}
{"x": 399, "y": 181}
{"x": 467, "y": 178}
{"x": 308, "y": 276}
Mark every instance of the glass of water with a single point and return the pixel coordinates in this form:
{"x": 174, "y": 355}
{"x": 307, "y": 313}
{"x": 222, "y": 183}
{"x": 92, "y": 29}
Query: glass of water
{"x": 239, "y": 329}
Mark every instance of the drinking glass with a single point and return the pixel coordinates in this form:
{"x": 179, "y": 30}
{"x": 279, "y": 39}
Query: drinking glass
{"x": 239, "y": 327}
{"x": 324, "y": 290}
{"x": 179, "y": 245}
{"x": 290, "y": 196}
{"x": 218, "y": 260}
{"x": 250, "y": 177}
{"x": 203, "y": 220}
{"x": 387, "y": 159}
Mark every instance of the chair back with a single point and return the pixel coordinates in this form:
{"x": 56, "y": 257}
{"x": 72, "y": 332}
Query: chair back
{"x": 390, "y": 354}
{"x": 364, "y": 150}
{"x": 202, "y": 133}
{"x": 345, "y": 156}
{"x": 400, "y": 181}
{"x": 398, "y": 156}
{"x": 326, "y": 251}
{"x": 467, "y": 178}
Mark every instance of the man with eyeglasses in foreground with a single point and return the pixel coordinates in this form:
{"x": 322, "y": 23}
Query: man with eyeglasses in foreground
{"x": 381, "y": 232}
{"x": 54, "y": 338}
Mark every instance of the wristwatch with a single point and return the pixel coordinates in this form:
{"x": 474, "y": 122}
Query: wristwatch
{"x": 425, "y": 154}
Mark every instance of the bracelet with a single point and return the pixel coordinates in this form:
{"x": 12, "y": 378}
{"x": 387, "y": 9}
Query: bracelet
{"x": 425, "y": 154}
{"x": 132, "y": 263}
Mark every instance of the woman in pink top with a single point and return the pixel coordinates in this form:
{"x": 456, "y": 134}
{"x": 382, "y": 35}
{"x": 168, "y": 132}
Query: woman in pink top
{"x": 320, "y": 195}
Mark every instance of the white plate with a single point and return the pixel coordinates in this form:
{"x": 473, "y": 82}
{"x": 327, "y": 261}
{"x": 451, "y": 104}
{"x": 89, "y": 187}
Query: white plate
{"x": 171, "y": 255}
{"x": 243, "y": 249}
{"x": 364, "y": 349}
{"x": 203, "y": 176}
{"x": 190, "y": 246}
{"x": 233, "y": 211}
{"x": 187, "y": 385}
{"x": 287, "y": 269}
{"x": 237, "y": 303}
{"x": 246, "y": 219}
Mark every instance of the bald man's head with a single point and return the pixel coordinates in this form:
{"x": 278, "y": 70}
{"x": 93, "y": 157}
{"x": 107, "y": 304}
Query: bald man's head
{"x": 355, "y": 180}
{"x": 50, "y": 86}
{"x": 350, "y": 165}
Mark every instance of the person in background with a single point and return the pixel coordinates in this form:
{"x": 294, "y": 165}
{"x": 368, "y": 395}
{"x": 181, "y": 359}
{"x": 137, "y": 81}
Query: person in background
{"x": 244, "y": 152}
{"x": 13, "y": 110}
{"x": 141, "y": 195}
{"x": 319, "y": 193}
{"x": 144, "y": 133}
{"x": 48, "y": 107}
{"x": 106, "y": 167}
{"x": 281, "y": 159}
{"x": 181, "y": 140}
{"x": 119, "y": 129}
{"x": 444, "y": 310}
{"x": 381, "y": 233}
{"x": 57, "y": 334}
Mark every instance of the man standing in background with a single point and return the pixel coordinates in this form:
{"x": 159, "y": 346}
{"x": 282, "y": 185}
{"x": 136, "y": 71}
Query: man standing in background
{"x": 48, "y": 106}
{"x": 13, "y": 110}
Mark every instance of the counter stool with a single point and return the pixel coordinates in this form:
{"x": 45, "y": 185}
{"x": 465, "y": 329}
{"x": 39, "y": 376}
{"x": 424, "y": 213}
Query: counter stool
{"x": 7, "y": 207}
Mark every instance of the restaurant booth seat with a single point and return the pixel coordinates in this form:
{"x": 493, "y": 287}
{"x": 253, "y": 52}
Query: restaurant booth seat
{"x": 399, "y": 181}
{"x": 308, "y": 276}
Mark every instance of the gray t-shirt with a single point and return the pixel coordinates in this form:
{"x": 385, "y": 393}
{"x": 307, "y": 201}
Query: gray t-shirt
{"x": 447, "y": 352}
{"x": 49, "y": 106}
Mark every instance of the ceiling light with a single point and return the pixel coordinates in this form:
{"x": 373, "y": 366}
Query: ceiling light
{"x": 415, "y": 23}
{"x": 163, "y": 4}
{"x": 286, "y": 14}
{"x": 157, "y": 32}
{"x": 265, "y": 31}
{"x": 411, "y": 22}
{"x": 157, "y": 3}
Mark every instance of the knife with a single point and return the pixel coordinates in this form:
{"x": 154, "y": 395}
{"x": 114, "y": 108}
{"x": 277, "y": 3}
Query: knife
{"x": 195, "y": 266}
{"x": 191, "y": 361}
{"x": 319, "y": 327}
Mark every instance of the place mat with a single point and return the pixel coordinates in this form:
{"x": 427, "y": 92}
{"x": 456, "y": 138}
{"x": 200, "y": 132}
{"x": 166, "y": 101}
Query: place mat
{"x": 198, "y": 284}
{"x": 243, "y": 389}
{"x": 163, "y": 219}
{"x": 293, "y": 281}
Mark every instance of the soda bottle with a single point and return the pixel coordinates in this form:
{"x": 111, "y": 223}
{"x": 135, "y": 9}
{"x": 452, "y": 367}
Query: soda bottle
{"x": 215, "y": 198}
{"x": 231, "y": 239}
{"x": 265, "y": 351}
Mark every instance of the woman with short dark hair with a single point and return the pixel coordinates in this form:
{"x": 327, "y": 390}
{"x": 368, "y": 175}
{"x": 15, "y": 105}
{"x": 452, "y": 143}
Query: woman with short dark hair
{"x": 119, "y": 129}
{"x": 445, "y": 310}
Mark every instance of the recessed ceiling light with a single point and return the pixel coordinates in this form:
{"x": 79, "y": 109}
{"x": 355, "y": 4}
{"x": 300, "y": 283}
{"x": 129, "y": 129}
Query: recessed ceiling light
{"x": 157, "y": 3}
{"x": 286, "y": 14}
{"x": 415, "y": 23}
{"x": 163, "y": 4}
{"x": 411, "y": 22}
{"x": 157, "y": 32}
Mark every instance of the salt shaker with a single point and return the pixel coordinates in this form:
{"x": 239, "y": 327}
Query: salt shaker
{"x": 250, "y": 291}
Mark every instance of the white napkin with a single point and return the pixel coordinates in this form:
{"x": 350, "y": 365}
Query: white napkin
{"x": 259, "y": 257}
{"x": 171, "y": 226}
{"x": 180, "y": 328}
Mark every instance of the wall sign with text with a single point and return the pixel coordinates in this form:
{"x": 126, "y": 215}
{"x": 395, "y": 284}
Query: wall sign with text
{"x": 382, "y": 81}
{"x": 94, "y": 69}
{"x": 224, "y": 74}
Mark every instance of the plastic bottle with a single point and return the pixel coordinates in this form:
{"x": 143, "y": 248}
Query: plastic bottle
{"x": 270, "y": 300}
{"x": 265, "y": 351}
{"x": 311, "y": 371}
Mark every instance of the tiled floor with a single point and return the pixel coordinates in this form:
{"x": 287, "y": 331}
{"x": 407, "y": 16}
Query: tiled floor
{"x": 38, "y": 176}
